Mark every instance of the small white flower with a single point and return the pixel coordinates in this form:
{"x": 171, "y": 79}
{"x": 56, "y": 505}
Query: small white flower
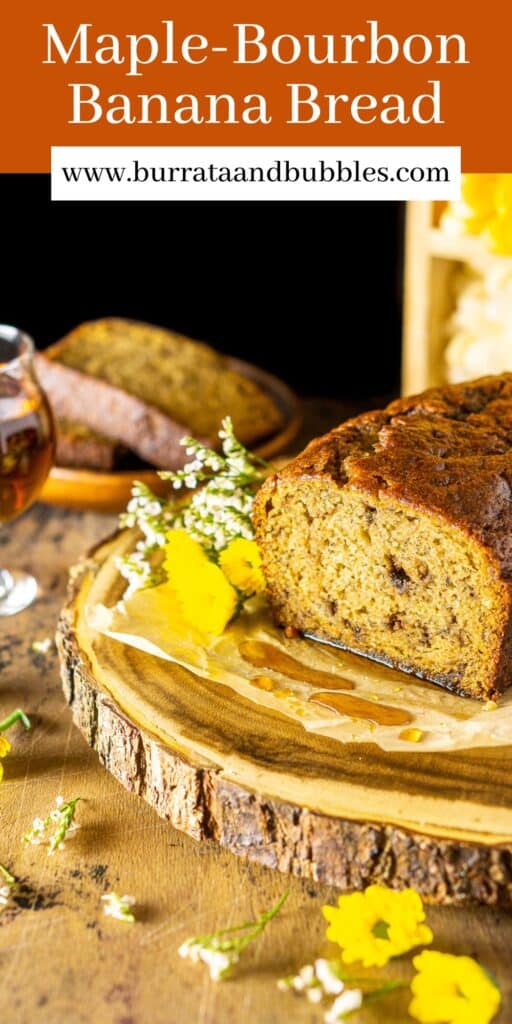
{"x": 118, "y": 907}
{"x": 331, "y": 984}
{"x": 349, "y": 1000}
{"x": 35, "y": 834}
{"x": 307, "y": 974}
{"x": 284, "y": 984}
{"x": 5, "y": 893}
{"x": 315, "y": 980}
{"x": 315, "y": 994}
{"x": 42, "y": 646}
{"x": 219, "y": 962}
{"x": 189, "y": 949}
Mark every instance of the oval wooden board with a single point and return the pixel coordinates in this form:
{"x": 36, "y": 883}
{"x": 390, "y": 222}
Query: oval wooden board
{"x": 110, "y": 492}
{"x": 218, "y": 766}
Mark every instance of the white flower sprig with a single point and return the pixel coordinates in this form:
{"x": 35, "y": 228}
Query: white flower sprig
{"x": 62, "y": 817}
{"x": 154, "y": 517}
{"x": 315, "y": 980}
{"x": 5, "y": 890}
{"x": 119, "y": 907}
{"x": 219, "y": 510}
{"x": 221, "y": 950}
{"x": 344, "y": 1005}
{"x": 327, "y": 978}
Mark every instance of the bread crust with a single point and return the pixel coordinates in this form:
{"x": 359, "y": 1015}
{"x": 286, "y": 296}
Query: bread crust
{"x": 79, "y": 447}
{"x": 446, "y": 453}
{"x": 447, "y": 450}
{"x": 112, "y": 412}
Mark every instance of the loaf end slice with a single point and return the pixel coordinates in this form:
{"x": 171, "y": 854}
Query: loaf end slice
{"x": 115, "y": 413}
{"x": 392, "y": 537}
{"x": 145, "y": 385}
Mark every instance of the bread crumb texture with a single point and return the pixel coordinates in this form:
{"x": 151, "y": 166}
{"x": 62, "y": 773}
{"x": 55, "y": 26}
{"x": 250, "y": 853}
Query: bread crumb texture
{"x": 392, "y": 536}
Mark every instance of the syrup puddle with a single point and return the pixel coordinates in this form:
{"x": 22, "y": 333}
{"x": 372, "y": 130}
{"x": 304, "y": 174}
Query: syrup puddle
{"x": 263, "y": 655}
{"x": 440, "y": 720}
{"x": 357, "y": 707}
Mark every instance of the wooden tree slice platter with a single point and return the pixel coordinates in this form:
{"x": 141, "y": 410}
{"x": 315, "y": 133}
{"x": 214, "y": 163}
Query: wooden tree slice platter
{"x": 220, "y": 767}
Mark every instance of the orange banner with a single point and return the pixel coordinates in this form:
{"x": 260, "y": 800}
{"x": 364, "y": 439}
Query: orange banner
{"x": 255, "y": 73}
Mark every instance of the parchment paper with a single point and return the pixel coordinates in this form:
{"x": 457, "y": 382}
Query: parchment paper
{"x": 447, "y": 722}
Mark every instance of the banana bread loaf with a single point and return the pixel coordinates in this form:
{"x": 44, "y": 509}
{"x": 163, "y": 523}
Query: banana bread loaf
{"x": 392, "y": 536}
{"x": 146, "y": 387}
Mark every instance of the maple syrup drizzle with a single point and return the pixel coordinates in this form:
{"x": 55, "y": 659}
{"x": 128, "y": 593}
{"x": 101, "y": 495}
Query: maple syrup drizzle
{"x": 357, "y": 707}
{"x": 263, "y": 655}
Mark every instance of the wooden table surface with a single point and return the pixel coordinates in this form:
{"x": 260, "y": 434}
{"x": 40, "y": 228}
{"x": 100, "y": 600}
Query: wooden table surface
{"x": 61, "y": 959}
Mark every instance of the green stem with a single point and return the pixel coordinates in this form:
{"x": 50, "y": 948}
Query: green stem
{"x": 255, "y": 926}
{"x": 353, "y": 979}
{"x": 15, "y": 716}
{"x": 70, "y": 803}
{"x": 10, "y": 879}
{"x": 262, "y": 921}
{"x": 383, "y": 990}
{"x": 273, "y": 912}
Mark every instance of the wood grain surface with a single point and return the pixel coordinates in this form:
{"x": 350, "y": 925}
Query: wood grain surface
{"x": 61, "y": 960}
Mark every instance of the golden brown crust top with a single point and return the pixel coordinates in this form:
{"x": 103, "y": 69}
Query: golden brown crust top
{"x": 448, "y": 450}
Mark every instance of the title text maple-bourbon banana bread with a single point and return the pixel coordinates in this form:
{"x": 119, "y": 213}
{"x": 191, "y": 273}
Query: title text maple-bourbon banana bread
{"x": 392, "y": 536}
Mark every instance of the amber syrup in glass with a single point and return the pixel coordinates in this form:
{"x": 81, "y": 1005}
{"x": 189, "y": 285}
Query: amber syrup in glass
{"x": 26, "y": 444}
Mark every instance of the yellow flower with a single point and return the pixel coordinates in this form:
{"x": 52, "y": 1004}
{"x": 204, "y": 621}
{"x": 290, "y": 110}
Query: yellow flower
{"x": 377, "y": 924}
{"x": 5, "y": 747}
{"x": 241, "y": 563}
{"x": 196, "y": 585}
{"x": 452, "y": 990}
{"x": 478, "y": 193}
{"x": 487, "y": 209}
{"x": 498, "y": 231}
{"x": 503, "y": 197}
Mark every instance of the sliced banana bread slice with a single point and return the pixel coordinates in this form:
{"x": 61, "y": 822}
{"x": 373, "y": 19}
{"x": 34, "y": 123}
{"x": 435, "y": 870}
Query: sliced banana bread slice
{"x": 392, "y": 536}
{"x": 147, "y": 387}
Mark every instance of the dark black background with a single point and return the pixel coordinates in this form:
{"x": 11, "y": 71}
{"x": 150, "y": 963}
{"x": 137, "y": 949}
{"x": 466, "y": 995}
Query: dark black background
{"x": 311, "y": 291}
